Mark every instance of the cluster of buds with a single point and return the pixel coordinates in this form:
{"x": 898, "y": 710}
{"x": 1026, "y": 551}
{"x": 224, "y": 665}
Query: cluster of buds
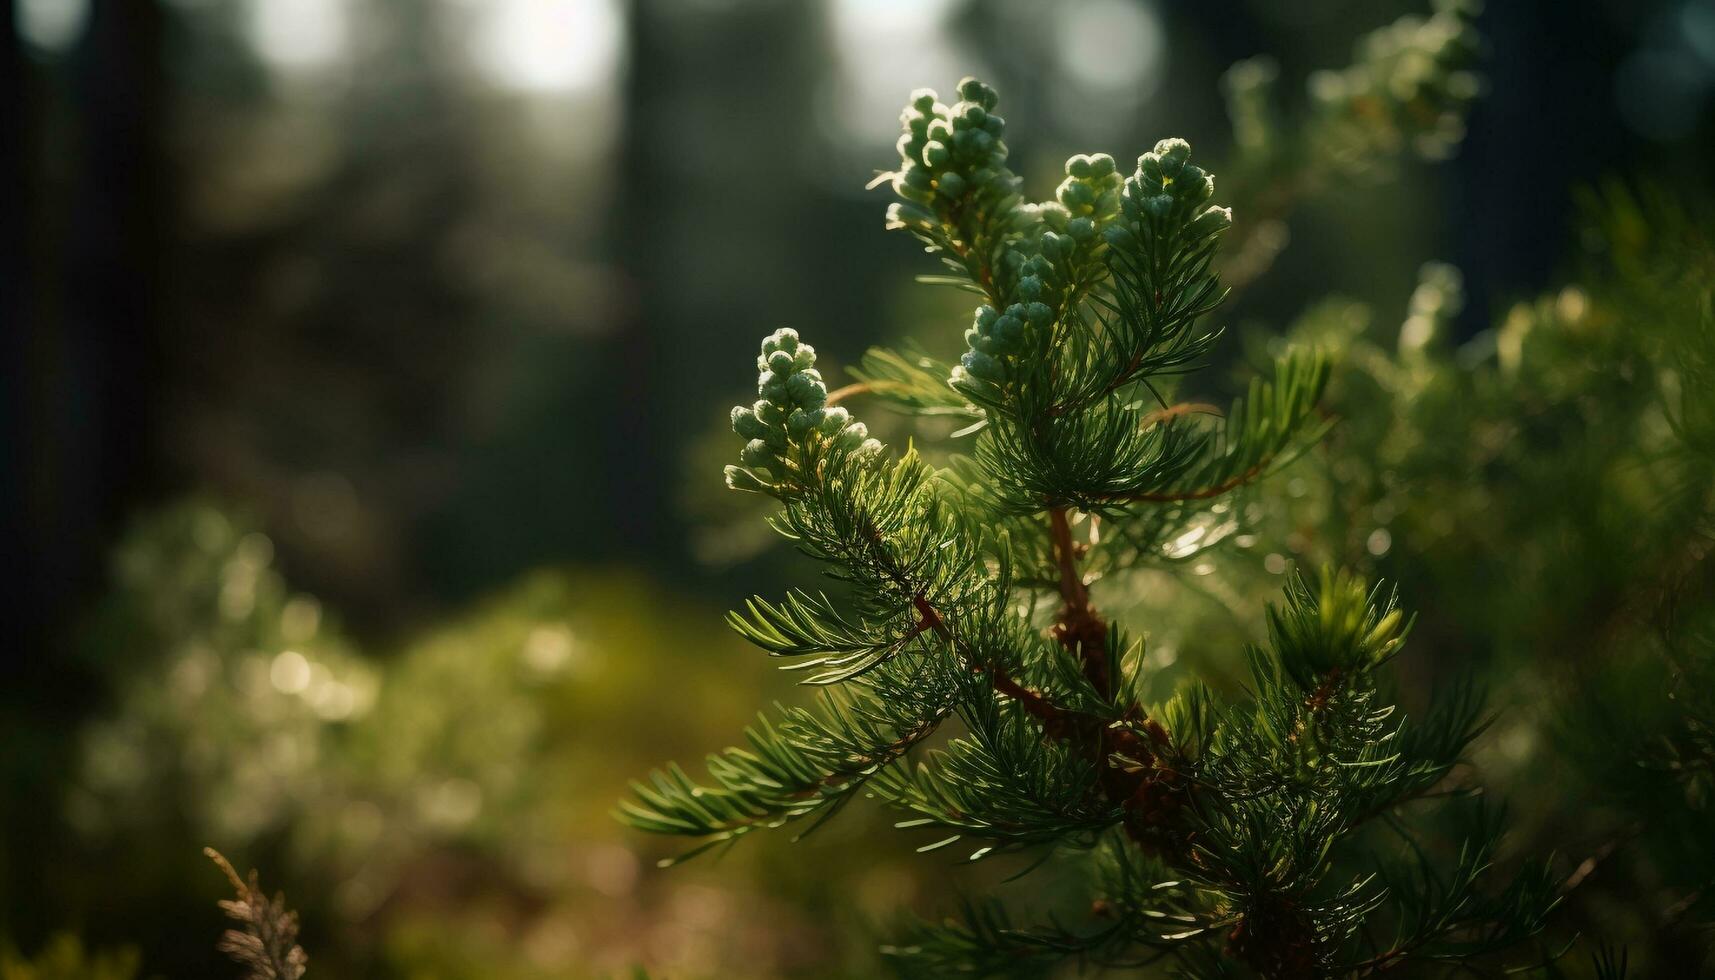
{"x": 997, "y": 339}
{"x": 948, "y": 155}
{"x": 1168, "y": 188}
{"x": 1085, "y": 203}
{"x": 791, "y": 424}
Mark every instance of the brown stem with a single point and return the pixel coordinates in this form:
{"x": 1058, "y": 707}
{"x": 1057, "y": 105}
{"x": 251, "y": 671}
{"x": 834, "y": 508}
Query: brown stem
{"x": 1079, "y": 629}
{"x": 1048, "y": 713}
{"x": 1174, "y": 411}
{"x": 840, "y": 394}
{"x": 1201, "y": 493}
{"x": 1065, "y": 554}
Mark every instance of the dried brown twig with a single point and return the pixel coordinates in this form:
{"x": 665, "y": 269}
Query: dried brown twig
{"x": 267, "y": 945}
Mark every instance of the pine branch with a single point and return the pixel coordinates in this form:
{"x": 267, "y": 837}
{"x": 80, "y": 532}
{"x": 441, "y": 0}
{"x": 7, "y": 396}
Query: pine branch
{"x": 1224, "y": 829}
{"x": 1263, "y": 431}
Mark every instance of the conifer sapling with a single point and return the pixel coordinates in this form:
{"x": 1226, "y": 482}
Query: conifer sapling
{"x": 1232, "y": 832}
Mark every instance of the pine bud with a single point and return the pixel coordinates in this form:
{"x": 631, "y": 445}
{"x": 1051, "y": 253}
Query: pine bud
{"x": 801, "y": 423}
{"x": 746, "y": 424}
{"x": 738, "y": 478}
{"x": 834, "y": 419}
{"x": 981, "y": 365}
{"x": 1076, "y": 196}
{"x": 805, "y": 391}
{"x": 1058, "y": 247}
{"x": 1211, "y": 222}
{"x": 905, "y": 214}
{"x": 756, "y": 453}
{"x": 785, "y": 339}
{"x": 972, "y": 90}
{"x": 1172, "y": 154}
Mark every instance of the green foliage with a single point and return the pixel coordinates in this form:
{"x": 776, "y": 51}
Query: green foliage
{"x": 1545, "y": 489}
{"x": 1405, "y": 94}
{"x": 65, "y": 958}
{"x": 462, "y": 798}
{"x": 1259, "y": 831}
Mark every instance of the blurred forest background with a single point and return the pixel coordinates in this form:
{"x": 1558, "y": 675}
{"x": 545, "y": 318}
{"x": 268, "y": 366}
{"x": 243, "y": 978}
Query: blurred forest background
{"x": 368, "y": 366}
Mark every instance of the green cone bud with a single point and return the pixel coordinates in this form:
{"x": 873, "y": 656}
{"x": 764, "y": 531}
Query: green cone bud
{"x": 756, "y": 453}
{"x": 741, "y": 479}
{"x": 981, "y": 365}
{"x": 972, "y": 90}
{"x": 834, "y": 419}
{"x": 1210, "y": 222}
{"x": 1172, "y": 154}
{"x": 746, "y": 424}
{"x": 801, "y": 423}
{"x": 785, "y": 339}
{"x": 806, "y": 392}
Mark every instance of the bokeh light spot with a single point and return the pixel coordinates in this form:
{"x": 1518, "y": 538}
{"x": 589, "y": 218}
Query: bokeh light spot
{"x": 51, "y": 25}
{"x": 299, "y": 34}
{"x": 548, "y": 45}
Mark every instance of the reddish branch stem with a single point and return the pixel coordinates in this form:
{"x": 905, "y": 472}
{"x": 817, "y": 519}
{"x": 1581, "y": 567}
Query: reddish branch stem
{"x": 1034, "y": 703}
{"x": 1080, "y": 628}
{"x": 1202, "y": 493}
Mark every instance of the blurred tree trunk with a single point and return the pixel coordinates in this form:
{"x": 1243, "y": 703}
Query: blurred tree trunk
{"x": 18, "y": 331}
{"x": 78, "y": 311}
{"x": 106, "y": 376}
{"x": 713, "y": 258}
